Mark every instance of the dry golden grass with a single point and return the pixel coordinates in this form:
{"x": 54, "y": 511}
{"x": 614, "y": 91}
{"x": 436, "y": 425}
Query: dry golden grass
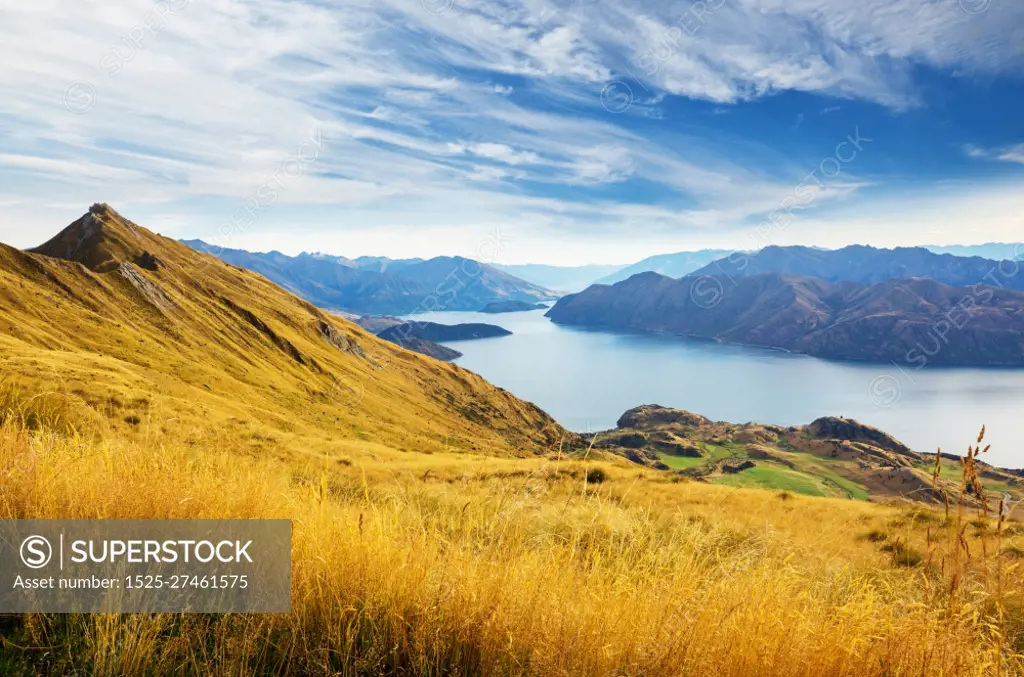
{"x": 444, "y": 565}
{"x": 438, "y": 530}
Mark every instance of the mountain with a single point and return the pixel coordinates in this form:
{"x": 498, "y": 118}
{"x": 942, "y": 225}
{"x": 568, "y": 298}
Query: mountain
{"x": 868, "y": 265}
{"x": 441, "y": 333}
{"x": 379, "y": 286}
{"x": 381, "y": 264}
{"x": 914, "y": 321}
{"x": 129, "y": 323}
{"x": 669, "y": 265}
{"x": 995, "y": 251}
{"x": 561, "y": 278}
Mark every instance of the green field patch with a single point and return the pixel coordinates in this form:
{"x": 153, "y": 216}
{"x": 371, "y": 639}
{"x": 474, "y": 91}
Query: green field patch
{"x": 726, "y": 450}
{"x": 776, "y": 478}
{"x": 681, "y": 462}
{"x": 825, "y": 469}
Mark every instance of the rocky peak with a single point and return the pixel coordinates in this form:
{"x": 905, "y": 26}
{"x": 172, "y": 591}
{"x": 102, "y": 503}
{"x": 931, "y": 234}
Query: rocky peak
{"x": 100, "y": 240}
{"x": 839, "y": 428}
{"x": 653, "y": 415}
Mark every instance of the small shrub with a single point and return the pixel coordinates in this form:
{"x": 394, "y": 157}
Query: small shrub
{"x": 596, "y": 476}
{"x": 903, "y": 555}
{"x": 876, "y": 536}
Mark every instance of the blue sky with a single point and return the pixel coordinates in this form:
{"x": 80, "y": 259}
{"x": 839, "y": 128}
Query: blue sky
{"x": 547, "y": 131}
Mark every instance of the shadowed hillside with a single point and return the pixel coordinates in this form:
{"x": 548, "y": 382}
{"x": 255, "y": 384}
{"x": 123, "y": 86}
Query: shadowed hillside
{"x": 913, "y": 321}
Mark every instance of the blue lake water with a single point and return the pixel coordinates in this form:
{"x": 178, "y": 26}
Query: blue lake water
{"x": 586, "y": 379}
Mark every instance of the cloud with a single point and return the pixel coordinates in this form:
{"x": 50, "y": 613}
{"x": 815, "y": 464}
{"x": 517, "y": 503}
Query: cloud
{"x": 1013, "y": 153}
{"x": 488, "y": 112}
{"x": 502, "y": 153}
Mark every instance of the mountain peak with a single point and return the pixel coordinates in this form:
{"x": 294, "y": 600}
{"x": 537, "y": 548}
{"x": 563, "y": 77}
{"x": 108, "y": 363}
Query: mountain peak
{"x": 100, "y": 240}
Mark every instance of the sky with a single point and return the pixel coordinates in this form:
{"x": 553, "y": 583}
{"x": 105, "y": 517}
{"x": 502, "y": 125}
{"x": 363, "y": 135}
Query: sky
{"x": 540, "y": 131}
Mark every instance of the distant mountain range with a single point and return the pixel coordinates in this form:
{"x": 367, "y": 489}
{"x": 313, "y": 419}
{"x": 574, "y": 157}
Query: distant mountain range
{"x": 914, "y": 321}
{"x": 574, "y": 279}
{"x": 868, "y": 265}
{"x": 578, "y": 278}
{"x": 561, "y": 278}
{"x": 669, "y": 265}
{"x": 381, "y": 286}
{"x": 999, "y": 251}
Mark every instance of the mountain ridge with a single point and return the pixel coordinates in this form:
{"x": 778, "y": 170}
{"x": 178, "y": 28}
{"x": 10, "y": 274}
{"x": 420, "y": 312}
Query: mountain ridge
{"x": 379, "y": 286}
{"x": 869, "y": 265}
{"x": 916, "y": 321}
{"x": 673, "y": 265}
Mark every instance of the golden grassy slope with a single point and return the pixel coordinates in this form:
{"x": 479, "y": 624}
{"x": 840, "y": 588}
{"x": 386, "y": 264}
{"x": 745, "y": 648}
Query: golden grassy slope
{"x": 524, "y": 567}
{"x": 141, "y": 327}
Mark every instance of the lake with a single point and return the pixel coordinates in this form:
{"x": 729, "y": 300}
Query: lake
{"x": 586, "y": 379}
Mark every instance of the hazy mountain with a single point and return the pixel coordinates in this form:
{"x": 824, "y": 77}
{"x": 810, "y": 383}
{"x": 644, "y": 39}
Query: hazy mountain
{"x": 561, "y": 278}
{"x": 867, "y": 265}
{"x": 380, "y": 286}
{"x": 382, "y": 264}
{"x": 669, "y": 265}
{"x": 996, "y": 251}
{"x": 913, "y": 321}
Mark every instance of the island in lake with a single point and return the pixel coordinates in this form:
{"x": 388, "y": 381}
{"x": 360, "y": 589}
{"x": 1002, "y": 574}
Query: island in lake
{"x": 511, "y": 307}
{"x": 426, "y": 337}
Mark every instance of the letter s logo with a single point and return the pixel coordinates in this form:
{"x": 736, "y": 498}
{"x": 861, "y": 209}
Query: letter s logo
{"x": 707, "y": 292}
{"x": 36, "y": 552}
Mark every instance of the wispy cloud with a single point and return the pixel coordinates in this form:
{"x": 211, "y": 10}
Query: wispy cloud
{"x": 438, "y": 116}
{"x": 1012, "y": 153}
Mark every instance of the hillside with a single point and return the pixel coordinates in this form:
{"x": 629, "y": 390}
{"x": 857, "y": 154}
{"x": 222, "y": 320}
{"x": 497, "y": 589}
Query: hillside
{"x": 417, "y": 565}
{"x": 909, "y": 321}
{"x": 425, "y": 347}
{"x": 870, "y": 265}
{"x": 380, "y": 286}
{"x": 116, "y": 319}
{"x": 835, "y": 457}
